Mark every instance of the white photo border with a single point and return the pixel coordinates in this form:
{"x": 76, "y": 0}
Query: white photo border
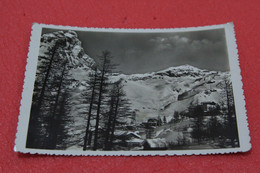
{"x": 242, "y": 124}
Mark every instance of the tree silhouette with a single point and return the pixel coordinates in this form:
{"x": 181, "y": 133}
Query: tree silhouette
{"x": 36, "y": 137}
{"x": 198, "y": 126}
{"x": 121, "y": 111}
{"x": 231, "y": 131}
{"x": 106, "y": 68}
{"x": 93, "y": 87}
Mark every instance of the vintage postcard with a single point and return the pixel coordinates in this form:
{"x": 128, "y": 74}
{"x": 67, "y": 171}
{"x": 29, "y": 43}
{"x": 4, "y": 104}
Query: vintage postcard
{"x": 96, "y": 91}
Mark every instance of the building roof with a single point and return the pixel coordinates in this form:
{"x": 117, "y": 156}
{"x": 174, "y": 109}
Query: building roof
{"x": 135, "y": 140}
{"x": 157, "y": 143}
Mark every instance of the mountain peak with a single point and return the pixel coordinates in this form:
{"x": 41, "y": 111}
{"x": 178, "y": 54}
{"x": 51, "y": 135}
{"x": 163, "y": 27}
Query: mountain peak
{"x": 185, "y": 67}
{"x": 71, "y": 48}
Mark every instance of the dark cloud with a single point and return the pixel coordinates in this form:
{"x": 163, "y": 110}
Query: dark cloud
{"x": 147, "y": 52}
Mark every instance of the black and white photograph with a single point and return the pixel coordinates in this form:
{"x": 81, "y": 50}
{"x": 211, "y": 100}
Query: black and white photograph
{"x": 145, "y": 91}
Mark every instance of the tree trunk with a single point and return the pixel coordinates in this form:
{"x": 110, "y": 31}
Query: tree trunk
{"x": 36, "y": 110}
{"x": 54, "y": 120}
{"x": 229, "y": 114}
{"x": 109, "y": 124}
{"x": 114, "y": 123}
{"x": 99, "y": 104}
{"x": 90, "y": 110}
{"x": 90, "y": 138}
{"x": 45, "y": 81}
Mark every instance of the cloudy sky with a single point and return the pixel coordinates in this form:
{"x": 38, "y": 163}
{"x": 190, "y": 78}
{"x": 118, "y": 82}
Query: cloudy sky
{"x": 148, "y": 52}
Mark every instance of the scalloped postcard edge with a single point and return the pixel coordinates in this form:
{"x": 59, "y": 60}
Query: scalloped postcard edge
{"x": 242, "y": 124}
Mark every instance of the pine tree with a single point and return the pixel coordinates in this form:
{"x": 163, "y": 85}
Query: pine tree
{"x": 53, "y": 123}
{"x": 55, "y": 118}
{"x": 230, "y": 131}
{"x": 58, "y": 45}
{"x": 37, "y": 126}
{"x": 110, "y": 118}
{"x": 106, "y": 69}
{"x": 121, "y": 111}
{"x": 93, "y": 87}
{"x": 214, "y": 127}
{"x": 62, "y": 120}
{"x": 198, "y": 126}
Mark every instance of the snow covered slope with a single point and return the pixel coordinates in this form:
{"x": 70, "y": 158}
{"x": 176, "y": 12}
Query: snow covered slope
{"x": 151, "y": 94}
{"x": 174, "y": 89}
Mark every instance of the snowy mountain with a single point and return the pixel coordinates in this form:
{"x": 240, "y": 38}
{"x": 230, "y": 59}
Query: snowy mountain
{"x": 71, "y": 49}
{"x": 151, "y": 94}
{"x": 71, "y": 46}
{"x": 64, "y": 71}
{"x": 174, "y": 89}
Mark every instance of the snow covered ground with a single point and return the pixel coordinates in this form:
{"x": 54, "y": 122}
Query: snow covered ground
{"x": 159, "y": 93}
{"x": 152, "y": 95}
